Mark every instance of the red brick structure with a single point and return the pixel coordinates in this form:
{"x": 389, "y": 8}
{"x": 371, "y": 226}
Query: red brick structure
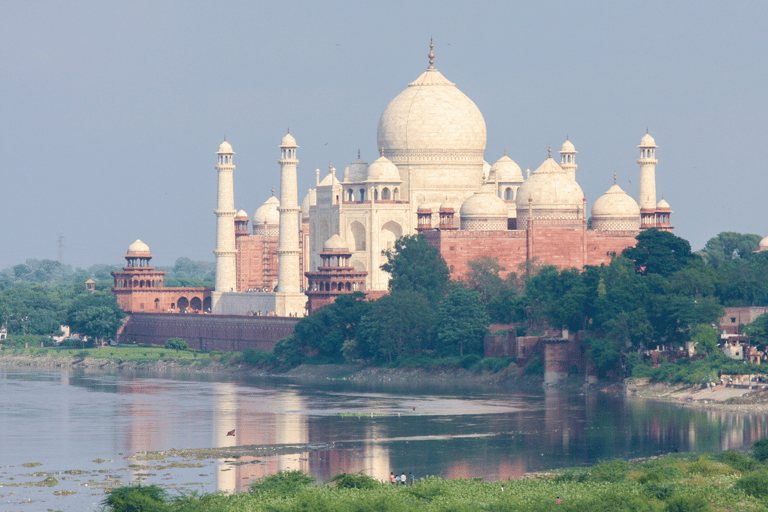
{"x": 225, "y": 333}
{"x": 139, "y": 287}
{"x": 734, "y": 317}
{"x": 334, "y": 277}
{"x": 544, "y": 241}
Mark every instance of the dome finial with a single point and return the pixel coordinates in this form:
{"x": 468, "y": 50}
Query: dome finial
{"x": 614, "y": 178}
{"x": 273, "y": 191}
{"x": 566, "y": 137}
{"x": 289, "y": 130}
{"x": 431, "y": 55}
{"x": 505, "y": 150}
{"x": 646, "y": 130}
{"x": 358, "y": 154}
{"x": 549, "y": 151}
{"x": 330, "y": 166}
{"x": 381, "y": 151}
{"x": 225, "y": 138}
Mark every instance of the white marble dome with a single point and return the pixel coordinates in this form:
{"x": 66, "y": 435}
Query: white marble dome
{"x": 383, "y": 171}
{"x": 138, "y": 247}
{"x": 763, "y": 245}
{"x": 567, "y": 147}
{"x": 267, "y": 213}
{"x": 330, "y": 179}
{"x": 336, "y": 243}
{"x": 615, "y": 210}
{"x": 553, "y": 194}
{"x": 662, "y": 205}
{"x": 647, "y": 142}
{"x": 356, "y": 172}
{"x": 505, "y": 170}
{"x": 305, "y": 204}
{"x": 432, "y": 120}
{"x": 483, "y": 211}
{"x": 225, "y": 147}
{"x": 241, "y": 213}
{"x": 288, "y": 140}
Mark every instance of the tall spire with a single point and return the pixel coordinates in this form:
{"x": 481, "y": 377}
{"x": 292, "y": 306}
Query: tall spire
{"x": 431, "y": 55}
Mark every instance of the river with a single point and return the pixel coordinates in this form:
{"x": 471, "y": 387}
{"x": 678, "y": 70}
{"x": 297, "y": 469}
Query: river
{"x": 84, "y": 429}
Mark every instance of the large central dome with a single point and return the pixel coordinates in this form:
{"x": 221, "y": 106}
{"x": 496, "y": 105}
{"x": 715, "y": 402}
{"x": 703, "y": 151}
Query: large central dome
{"x": 432, "y": 121}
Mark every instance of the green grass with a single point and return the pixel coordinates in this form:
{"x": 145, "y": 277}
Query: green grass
{"x": 684, "y": 482}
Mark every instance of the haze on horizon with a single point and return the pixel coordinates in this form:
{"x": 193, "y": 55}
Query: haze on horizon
{"x": 111, "y": 113}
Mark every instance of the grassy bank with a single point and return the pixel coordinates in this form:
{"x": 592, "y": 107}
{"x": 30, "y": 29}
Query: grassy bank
{"x": 680, "y": 483}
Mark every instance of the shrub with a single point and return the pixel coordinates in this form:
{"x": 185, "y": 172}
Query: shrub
{"x": 572, "y": 476}
{"x": 681, "y": 503}
{"x": 176, "y": 344}
{"x": 353, "y": 481}
{"x": 284, "y": 483}
{"x": 611, "y": 471}
{"x": 138, "y": 498}
{"x": 739, "y": 461}
{"x": 755, "y": 484}
{"x": 469, "y": 361}
{"x": 258, "y": 357}
{"x": 708, "y": 467}
{"x": 535, "y": 366}
{"x": 659, "y": 491}
{"x": 760, "y": 450}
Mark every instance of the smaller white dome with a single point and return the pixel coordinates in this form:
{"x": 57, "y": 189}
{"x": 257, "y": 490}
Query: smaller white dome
{"x": 225, "y": 147}
{"x": 427, "y": 206}
{"x": 138, "y": 247}
{"x": 483, "y": 203}
{"x": 505, "y": 170}
{"x": 267, "y": 213}
{"x": 335, "y": 242}
{"x": 242, "y": 213}
{"x": 288, "y": 140}
{"x": 486, "y": 170}
{"x": 662, "y": 205}
{"x": 305, "y": 204}
{"x": 647, "y": 142}
{"x": 383, "y": 171}
{"x": 615, "y": 203}
{"x": 568, "y": 147}
{"x": 763, "y": 243}
{"x": 356, "y": 172}
{"x": 329, "y": 179}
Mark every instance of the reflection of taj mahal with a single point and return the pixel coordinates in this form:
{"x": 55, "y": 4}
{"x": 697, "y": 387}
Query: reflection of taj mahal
{"x": 430, "y": 177}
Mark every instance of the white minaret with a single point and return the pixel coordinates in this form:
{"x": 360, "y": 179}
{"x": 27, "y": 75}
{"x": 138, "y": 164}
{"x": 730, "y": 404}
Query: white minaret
{"x": 568, "y": 158}
{"x": 647, "y": 196}
{"x": 226, "y": 280}
{"x": 289, "y": 301}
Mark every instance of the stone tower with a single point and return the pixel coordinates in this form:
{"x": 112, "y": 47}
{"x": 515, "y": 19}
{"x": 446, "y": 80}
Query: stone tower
{"x": 647, "y": 197}
{"x": 289, "y": 300}
{"x": 226, "y": 253}
{"x": 568, "y": 158}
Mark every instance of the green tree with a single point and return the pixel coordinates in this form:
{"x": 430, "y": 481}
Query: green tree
{"x": 416, "y": 266}
{"x": 728, "y": 246}
{"x": 399, "y": 324}
{"x": 757, "y": 331}
{"x": 705, "y": 338}
{"x": 96, "y": 315}
{"x": 462, "y": 322}
{"x": 659, "y": 252}
{"x": 176, "y": 344}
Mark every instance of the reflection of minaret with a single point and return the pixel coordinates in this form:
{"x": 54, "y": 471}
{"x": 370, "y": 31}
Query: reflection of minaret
{"x": 289, "y": 301}
{"x": 224, "y": 420}
{"x": 291, "y": 428}
{"x": 377, "y": 463}
{"x": 226, "y": 278}
{"x": 556, "y": 417}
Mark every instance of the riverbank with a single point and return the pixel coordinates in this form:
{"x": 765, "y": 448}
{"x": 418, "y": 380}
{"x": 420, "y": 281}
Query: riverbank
{"x": 721, "y": 398}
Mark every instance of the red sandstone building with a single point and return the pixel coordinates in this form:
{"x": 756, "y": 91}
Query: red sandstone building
{"x": 139, "y": 287}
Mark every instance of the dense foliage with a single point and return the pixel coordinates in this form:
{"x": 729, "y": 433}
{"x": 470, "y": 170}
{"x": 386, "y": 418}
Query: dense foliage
{"x": 673, "y": 483}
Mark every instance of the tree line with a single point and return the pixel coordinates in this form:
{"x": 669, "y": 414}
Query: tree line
{"x": 658, "y": 293}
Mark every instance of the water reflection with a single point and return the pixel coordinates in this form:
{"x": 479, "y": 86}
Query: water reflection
{"x": 491, "y": 434}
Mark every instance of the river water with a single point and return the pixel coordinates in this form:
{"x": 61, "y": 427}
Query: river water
{"x": 84, "y": 428}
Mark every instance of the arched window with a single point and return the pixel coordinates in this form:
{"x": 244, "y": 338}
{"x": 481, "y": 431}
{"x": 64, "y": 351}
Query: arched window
{"x": 362, "y": 194}
{"x": 385, "y": 194}
{"x": 350, "y": 195}
{"x": 357, "y": 233}
{"x": 157, "y": 303}
{"x": 508, "y": 195}
{"x": 375, "y": 194}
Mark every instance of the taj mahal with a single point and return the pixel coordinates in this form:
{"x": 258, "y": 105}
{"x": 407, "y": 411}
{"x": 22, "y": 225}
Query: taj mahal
{"x": 430, "y": 177}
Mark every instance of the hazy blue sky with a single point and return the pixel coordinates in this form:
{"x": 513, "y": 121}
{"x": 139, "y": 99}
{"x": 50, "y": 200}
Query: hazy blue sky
{"x": 111, "y": 112}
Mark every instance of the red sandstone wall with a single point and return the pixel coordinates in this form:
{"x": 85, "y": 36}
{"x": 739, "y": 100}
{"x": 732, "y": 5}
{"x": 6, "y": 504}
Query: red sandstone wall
{"x": 602, "y": 243}
{"x": 254, "y": 270}
{"x": 208, "y": 332}
{"x": 139, "y": 300}
{"x": 458, "y": 247}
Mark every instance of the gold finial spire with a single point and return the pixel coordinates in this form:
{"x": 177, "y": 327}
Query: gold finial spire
{"x": 431, "y": 55}
{"x": 505, "y": 150}
{"x": 225, "y": 138}
{"x": 614, "y": 178}
{"x": 382, "y": 151}
{"x": 566, "y": 137}
{"x": 549, "y": 151}
{"x": 646, "y": 132}
{"x": 330, "y": 166}
{"x": 273, "y": 191}
{"x": 289, "y": 130}
{"x": 358, "y": 154}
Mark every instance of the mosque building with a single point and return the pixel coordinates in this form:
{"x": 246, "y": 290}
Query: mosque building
{"x": 430, "y": 177}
